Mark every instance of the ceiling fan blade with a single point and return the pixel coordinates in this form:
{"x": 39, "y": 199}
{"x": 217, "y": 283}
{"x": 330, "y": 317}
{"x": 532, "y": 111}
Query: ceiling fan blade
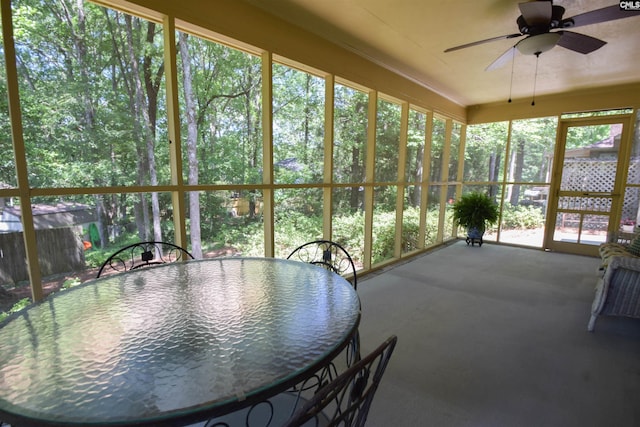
{"x": 536, "y": 12}
{"x": 503, "y": 59}
{"x": 579, "y": 42}
{"x": 609, "y": 13}
{"x": 462, "y": 46}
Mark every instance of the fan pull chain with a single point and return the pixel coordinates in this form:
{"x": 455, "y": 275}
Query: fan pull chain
{"x": 513, "y": 60}
{"x": 535, "y": 79}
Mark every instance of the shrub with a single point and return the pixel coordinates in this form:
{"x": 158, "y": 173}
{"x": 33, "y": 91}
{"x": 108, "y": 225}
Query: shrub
{"x": 16, "y": 307}
{"x": 522, "y": 217}
{"x": 384, "y": 236}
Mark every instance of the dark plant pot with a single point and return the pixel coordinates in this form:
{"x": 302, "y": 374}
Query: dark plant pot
{"x": 474, "y": 235}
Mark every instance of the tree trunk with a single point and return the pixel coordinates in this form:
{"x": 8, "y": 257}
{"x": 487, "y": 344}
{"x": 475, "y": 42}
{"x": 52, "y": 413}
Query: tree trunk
{"x": 253, "y": 133}
{"x": 494, "y": 174}
{"x": 354, "y": 197}
{"x": 144, "y": 128}
{"x": 101, "y": 215}
{"x": 517, "y": 175}
{"x": 192, "y": 154}
{"x": 417, "y": 194}
{"x": 141, "y": 216}
{"x": 89, "y": 110}
{"x": 307, "y": 118}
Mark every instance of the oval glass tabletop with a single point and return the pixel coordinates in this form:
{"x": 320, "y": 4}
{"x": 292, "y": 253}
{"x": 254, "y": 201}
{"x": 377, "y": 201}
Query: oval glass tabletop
{"x": 179, "y": 342}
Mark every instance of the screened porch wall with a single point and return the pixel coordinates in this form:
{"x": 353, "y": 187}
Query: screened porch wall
{"x": 382, "y": 215}
{"x": 241, "y": 184}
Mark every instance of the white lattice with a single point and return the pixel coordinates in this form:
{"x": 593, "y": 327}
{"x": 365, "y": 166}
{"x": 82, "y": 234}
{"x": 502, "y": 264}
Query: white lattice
{"x": 634, "y": 172}
{"x": 588, "y": 175}
{"x": 595, "y": 175}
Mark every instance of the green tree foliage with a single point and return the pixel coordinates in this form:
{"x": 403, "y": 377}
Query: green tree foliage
{"x": 454, "y": 152}
{"x": 532, "y": 142}
{"x": 387, "y": 141}
{"x": 485, "y": 149}
{"x": 349, "y": 146}
{"x": 226, "y": 88}
{"x": 7, "y": 163}
{"x": 437, "y": 147}
{"x": 529, "y": 157}
{"x": 415, "y": 154}
{"x": 298, "y": 123}
{"x": 90, "y": 86}
{"x": 92, "y": 93}
{"x": 582, "y": 136}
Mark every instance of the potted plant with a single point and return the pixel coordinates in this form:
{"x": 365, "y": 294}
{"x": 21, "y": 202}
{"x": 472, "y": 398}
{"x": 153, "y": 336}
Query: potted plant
{"x": 475, "y": 211}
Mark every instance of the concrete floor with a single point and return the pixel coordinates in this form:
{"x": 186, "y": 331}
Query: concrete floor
{"x": 497, "y": 336}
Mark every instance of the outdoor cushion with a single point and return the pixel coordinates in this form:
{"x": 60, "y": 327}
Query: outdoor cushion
{"x": 611, "y": 249}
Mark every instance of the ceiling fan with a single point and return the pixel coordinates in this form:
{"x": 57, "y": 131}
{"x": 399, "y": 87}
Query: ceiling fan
{"x": 538, "y": 19}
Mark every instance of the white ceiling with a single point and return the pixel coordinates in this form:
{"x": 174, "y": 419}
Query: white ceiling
{"x": 410, "y": 36}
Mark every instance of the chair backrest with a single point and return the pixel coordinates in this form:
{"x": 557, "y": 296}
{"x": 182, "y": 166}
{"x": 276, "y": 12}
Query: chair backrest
{"x": 143, "y": 254}
{"x": 346, "y": 400}
{"x": 329, "y": 255}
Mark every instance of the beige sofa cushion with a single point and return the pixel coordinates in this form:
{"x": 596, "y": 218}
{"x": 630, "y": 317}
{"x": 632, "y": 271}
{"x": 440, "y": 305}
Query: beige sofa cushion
{"x": 608, "y": 250}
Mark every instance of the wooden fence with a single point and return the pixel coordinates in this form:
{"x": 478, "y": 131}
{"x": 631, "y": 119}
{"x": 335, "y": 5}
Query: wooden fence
{"x": 60, "y": 250}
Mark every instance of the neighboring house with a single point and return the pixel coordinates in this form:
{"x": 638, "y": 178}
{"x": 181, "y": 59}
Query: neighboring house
{"x": 48, "y": 216}
{"x": 606, "y": 149}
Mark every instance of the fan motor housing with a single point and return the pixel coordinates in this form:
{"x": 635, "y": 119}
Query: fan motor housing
{"x": 555, "y": 21}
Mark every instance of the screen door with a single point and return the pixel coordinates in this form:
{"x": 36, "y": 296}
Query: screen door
{"x": 587, "y": 182}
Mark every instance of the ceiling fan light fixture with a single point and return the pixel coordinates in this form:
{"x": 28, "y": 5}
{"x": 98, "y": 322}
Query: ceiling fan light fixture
{"x": 535, "y": 45}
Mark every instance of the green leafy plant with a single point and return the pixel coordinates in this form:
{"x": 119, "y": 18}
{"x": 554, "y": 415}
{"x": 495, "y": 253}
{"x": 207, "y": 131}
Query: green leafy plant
{"x": 475, "y": 210}
{"x": 522, "y": 217}
{"x": 71, "y": 282}
{"x": 16, "y": 307}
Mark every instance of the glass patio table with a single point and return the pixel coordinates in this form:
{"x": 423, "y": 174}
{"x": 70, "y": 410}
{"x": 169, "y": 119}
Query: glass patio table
{"x": 173, "y": 344}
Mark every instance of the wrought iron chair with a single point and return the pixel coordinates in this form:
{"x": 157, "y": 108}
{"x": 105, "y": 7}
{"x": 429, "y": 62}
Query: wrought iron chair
{"x": 346, "y": 400}
{"x": 144, "y": 254}
{"x": 332, "y": 256}
{"x": 329, "y": 255}
{"x": 343, "y": 400}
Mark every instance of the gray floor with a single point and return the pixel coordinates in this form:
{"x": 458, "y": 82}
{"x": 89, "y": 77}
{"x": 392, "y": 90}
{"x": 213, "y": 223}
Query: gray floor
{"x": 496, "y": 336}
